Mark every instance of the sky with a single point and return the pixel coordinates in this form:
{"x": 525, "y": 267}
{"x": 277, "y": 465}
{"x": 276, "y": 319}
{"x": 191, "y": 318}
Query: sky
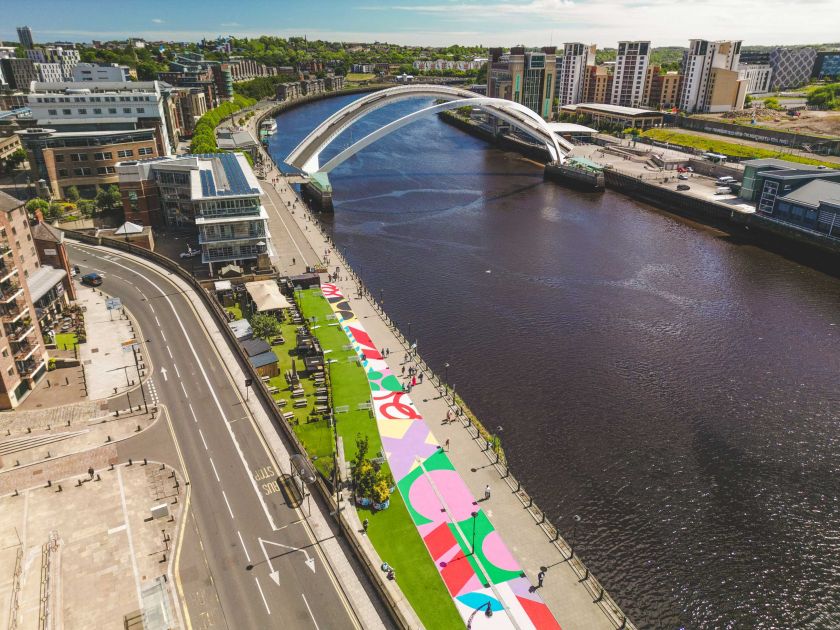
{"x": 433, "y": 22}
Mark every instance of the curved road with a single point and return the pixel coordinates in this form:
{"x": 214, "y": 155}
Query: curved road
{"x": 266, "y": 567}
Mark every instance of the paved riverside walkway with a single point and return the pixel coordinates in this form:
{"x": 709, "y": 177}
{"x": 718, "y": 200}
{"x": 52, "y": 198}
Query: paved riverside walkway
{"x": 568, "y": 596}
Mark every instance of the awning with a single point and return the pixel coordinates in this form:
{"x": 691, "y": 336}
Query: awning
{"x": 266, "y": 295}
{"x": 43, "y": 280}
{"x": 222, "y": 285}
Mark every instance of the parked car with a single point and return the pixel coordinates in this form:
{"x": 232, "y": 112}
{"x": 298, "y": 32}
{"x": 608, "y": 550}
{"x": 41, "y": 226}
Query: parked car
{"x": 683, "y": 187}
{"x": 92, "y": 279}
{"x": 682, "y": 176}
{"x": 723, "y": 190}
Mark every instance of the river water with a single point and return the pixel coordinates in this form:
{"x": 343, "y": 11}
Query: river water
{"x": 676, "y": 389}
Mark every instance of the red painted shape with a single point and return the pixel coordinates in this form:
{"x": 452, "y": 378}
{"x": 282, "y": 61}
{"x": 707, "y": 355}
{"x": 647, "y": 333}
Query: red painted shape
{"x": 439, "y": 541}
{"x": 456, "y": 573}
{"x": 539, "y": 614}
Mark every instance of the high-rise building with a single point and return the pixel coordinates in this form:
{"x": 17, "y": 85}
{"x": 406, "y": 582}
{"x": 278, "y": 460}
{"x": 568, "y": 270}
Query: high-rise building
{"x": 631, "y": 66}
{"x": 25, "y": 37}
{"x": 710, "y": 78}
{"x": 792, "y": 67}
{"x": 661, "y": 88}
{"x": 571, "y": 72}
{"x": 94, "y": 72}
{"x": 524, "y": 77}
{"x": 597, "y": 84}
{"x": 19, "y": 73}
{"x": 49, "y": 72}
{"x": 67, "y": 58}
{"x": 23, "y": 356}
{"x": 217, "y": 193}
{"x": 757, "y": 76}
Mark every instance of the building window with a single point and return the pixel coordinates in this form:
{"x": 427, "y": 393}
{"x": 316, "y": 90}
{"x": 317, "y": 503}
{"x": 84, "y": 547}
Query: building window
{"x": 112, "y": 110}
{"x": 83, "y": 111}
{"x": 5, "y": 352}
{"x": 97, "y": 110}
{"x": 52, "y": 112}
{"x": 145, "y": 151}
{"x": 125, "y": 153}
{"x": 62, "y": 172}
{"x": 105, "y": 170}
{"x": 59, "y": 158}
{"x": 126, "y": 110}
{"x": 82, "y": 172}
{"x": 107, "y": 155}
{"x": 66, "y": 112}
{"x": 141, "y": 110}
{"x": 10, "y": 371}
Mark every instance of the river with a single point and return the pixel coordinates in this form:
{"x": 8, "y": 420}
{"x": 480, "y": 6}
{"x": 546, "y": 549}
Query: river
{"x": 676, "y": 389}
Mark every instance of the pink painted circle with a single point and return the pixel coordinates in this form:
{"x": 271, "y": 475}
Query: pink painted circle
{"x": 453, "y": 490}
{"x": 497, "y": 552}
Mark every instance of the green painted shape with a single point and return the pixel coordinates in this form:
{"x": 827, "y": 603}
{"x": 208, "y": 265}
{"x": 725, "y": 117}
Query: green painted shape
{"x": 391, "y": 383}
{"x": 483, "y": 527}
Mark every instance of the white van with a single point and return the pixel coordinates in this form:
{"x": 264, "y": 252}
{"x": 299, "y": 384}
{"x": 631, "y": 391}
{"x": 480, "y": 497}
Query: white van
{"x": 725, "y": 181}
{"x": 723, "y": 190}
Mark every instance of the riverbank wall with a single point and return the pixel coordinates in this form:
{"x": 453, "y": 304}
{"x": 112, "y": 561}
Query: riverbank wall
{"x": 753, "y": 227}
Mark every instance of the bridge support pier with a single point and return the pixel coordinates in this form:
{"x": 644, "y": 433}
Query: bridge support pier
{"x": 318, "y": 192}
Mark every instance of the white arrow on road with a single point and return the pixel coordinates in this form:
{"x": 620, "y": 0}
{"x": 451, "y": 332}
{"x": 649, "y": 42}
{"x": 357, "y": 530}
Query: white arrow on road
{"x": 274, "y": 574}
{"x": 163, "y": 373}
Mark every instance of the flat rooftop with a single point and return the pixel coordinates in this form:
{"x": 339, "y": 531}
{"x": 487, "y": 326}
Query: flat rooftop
{"x": 612, "y": 109}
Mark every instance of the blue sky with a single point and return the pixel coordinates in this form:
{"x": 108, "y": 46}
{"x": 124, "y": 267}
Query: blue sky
{"x": 433, "y": 22}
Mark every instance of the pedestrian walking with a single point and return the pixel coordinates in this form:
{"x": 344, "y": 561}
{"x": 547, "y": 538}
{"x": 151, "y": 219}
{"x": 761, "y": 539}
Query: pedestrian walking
{"x": 405, "y": 360}
{"x": 413, "y": 381}
{"x": 448, "y": 416}
{"x": 540, "y": 578}
{"x": 421, "y": 377}
{"x": 487, "y": 492}
{"x": 403, "y": 371}
{"x": 293, "y": 260}
{"x": 446, "y": 445}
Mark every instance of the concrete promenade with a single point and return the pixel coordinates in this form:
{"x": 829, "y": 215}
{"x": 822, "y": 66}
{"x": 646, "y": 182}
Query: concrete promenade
{"x": 569, "y": 597}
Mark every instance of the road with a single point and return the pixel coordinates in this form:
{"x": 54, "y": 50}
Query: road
{"x": 266, "y": 567}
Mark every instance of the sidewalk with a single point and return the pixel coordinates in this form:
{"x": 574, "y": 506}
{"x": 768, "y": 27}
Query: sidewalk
{"x": 563, "y": 590}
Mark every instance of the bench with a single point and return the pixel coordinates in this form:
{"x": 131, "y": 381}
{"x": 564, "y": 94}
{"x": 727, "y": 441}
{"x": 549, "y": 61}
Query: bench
{"x": 273, "y": 390}
{"x": 281, "y": 402}
{"x": 300, "y": 403}
{"x": 298, "y": 393}
{"x": 288, "y": 416}
{"x": 322, "y": 408}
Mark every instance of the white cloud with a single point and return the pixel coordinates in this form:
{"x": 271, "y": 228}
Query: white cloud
{"x": 230, "y": 24}
{"x": 157, "y": 20}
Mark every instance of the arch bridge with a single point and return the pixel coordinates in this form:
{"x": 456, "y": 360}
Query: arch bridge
{"x": 306, "y": 156}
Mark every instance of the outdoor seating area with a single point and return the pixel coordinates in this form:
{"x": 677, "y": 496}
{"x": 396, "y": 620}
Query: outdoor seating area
{"x": 69, "y": 331}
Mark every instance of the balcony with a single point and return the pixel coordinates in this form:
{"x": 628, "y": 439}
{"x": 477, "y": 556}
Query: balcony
{"x": 29, "y": 367}
{"x": 236, "y": 235}
{"x": 18, "y": 333}
{"x": 24, "y": 350}
{"x": 13, "y": 311}
{"x": 10, "y": 290}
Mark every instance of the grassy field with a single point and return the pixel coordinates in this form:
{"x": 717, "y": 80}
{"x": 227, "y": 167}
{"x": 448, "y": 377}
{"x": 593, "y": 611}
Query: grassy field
{"x": 731, "y": 149}
{"x": 358, "y": 76}
{"x": 391, "y": 531}
{"x": 65, "y": 341}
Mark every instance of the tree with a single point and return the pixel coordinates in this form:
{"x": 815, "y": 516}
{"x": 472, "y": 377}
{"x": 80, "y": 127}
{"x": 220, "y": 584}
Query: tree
{"x": 15, "y": 159}
{"x": 265, "y": 326}
{"x": 54, "y": 211}
{"x": 102, "y": 200}
{"x": 114, "y": 197}
{"x": 33, "y": 205}
{"x": 72, "y": 194}
{"x": 86, "y": 207}
{"x": 772, "y": 103}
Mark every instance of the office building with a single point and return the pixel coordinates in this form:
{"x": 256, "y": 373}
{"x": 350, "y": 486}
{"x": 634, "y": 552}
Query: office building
{"x": 192, "y": 70}
{"x": 84, "y": 159}
{"x": 710, "y": 77}
{"x": 571, "y": 72}
{"x": 18, "y": 73}
{"x": 217, "y": 193}
{"x": 184, "y": 107}
{"x": 25, "y": 37}
{"x": 524, "y": 77}
{"x": 93, "y": 72}
{"x": 333, "y": 83}
{"x": 102, "y": 106}
{"x": 23, "y": 356}
{"x": 286, "y": 91}
{"x": 661, "y": 88}
{"x": 9, "y": 144}
{"x": 792, "y": 67}
{"x": 631, "y": 64}
{"x": 757, "y": 77}
{"x": 827, "y": 66}
{"x": 51, "y": 250}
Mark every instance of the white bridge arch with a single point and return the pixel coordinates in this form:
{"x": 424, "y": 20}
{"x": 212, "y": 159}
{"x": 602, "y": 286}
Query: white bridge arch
{"x": 306, "y": 155}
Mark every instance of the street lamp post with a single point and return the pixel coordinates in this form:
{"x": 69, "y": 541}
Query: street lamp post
{"x": 576, "y": 520}
{"x": 445, "y": 372}
{"x": 409, "y": 331}
{"x": 472, "y": 547}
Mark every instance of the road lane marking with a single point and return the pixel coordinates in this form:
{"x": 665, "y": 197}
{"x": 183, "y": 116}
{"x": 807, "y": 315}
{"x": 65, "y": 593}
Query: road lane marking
{"x": 163, "y": 374}
{"x": 117, "y": 529}
{"x": 267, "y": 609}
{"x": 228, "y": 504}
{"x": 177, "y": 373}
{"x": 157, "y": 321}
{"x": 184, "y": 389}
{"x": 244, "y": 548}
{"x": 210, "y": 388}
{"x": 195, "y": 418}
{"x": 170, "y": 352}
{"x": 215, "y": 472}
{"x": 203, "y": 440}
{"x": 310, "y": 611}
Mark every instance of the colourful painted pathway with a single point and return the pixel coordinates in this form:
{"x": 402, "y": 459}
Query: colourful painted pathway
{"x": 473, "y": 561}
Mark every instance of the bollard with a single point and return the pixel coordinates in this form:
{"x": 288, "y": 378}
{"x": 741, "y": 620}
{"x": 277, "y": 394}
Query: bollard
{"x": 49, "y": 483}
{"x": 28, "y": 429}
{"x": 59, "y": 488}
{"x": 145, "y": 462}
{"x": 98, "y": 478}
{"x": 16, "y": 493}
{"x": 600, "y": 596}
{"x": 78, "y": 482}
{"x": 130, "y": 462}
{"x": 138, "y": 429}
{"x": 111, "y": 467}
{"x": 108, "y": 440}
{"x": 48, "y": 455}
